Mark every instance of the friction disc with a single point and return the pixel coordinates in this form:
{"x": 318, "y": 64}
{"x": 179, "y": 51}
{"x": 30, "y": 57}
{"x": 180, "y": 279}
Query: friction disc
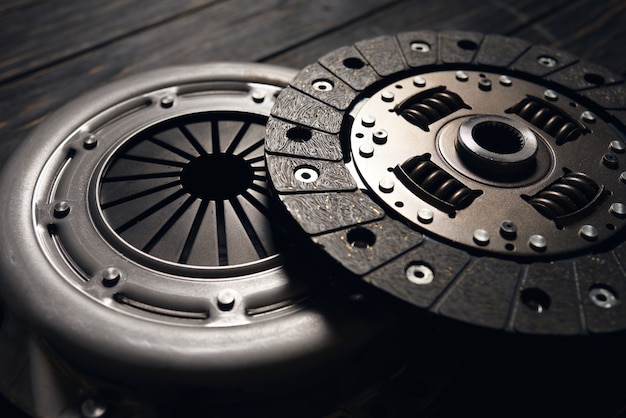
{"x": 477, "y": 177}
{"x": 139, "y": 242}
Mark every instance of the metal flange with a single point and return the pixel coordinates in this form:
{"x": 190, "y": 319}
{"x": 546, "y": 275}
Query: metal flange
{"x": 478, "y": 177}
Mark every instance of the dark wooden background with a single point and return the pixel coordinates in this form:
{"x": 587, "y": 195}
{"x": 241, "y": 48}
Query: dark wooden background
{"x": 53, "y": 50}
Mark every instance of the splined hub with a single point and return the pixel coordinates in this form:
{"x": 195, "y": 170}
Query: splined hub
{"x": 489, "y": 163}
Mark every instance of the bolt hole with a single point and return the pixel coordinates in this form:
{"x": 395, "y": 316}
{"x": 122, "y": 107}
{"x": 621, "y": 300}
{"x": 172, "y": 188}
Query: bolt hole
{"x": 535, "y": 299}
{"x": 547, "y": 61}
{"x": 603, "y": 296}
{"x": 467, "y": 45}
{"x": 509, "y": 247}
{"x": 572, "y": 104}
{"x": 390, "y": 169}
{"x": 360, "y": 135}
{"x": 298, "y": 134}
{"x": 595, "y": 79}
{"x": 420, "y": 46}
{"x": 419, "y": 273}
{"x": 323, "y": 85}
{"x": 398, "y": 86}
{"x": 361, "y": 238}
{"x": 306, "y": 174}
{"x": 354, "y": 63}
{"x": 610, "y": 227}
{"x": 399, "y": 204}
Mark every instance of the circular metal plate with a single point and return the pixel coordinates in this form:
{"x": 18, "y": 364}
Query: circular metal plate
{"x": 140, "y": 243}
{"x": 476, "y": 176}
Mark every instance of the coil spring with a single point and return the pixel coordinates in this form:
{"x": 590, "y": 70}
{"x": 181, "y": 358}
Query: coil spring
{"x": 430, "y": 106}
{"x": 549, "y": 119}
{"x": 568, "y": 195}
{"x": 438, "y": 183}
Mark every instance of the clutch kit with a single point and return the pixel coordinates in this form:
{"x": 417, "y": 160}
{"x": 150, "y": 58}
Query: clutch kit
{"x": 141, "y": 248}
{"x": 478, "y": 177}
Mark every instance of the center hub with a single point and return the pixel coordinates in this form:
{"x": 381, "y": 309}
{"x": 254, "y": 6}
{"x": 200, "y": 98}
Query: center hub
{"x": 217, "y": 176}
{"x": 497, "y": 147}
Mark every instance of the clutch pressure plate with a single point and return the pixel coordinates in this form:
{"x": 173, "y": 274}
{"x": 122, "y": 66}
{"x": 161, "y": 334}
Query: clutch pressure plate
{"x": 140, "y": 246}
{"x": 480, "y": 178}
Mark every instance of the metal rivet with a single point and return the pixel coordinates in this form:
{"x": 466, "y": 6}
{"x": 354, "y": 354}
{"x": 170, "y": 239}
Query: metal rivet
{"x": 618, "y": 209}
{"x": 380, "y": 136}
{"x": 323, "y": 85}
{"x": 481, "y": 237}
{"x": 61, "y": 209}
{"x": 111, "y": 277}
{"x": 93, "y": 408}
{"x": 588, "y": 116}
{"x": 506, "y": 80}
{"x": 550, "y": 95}
{"x": 419, "y": 81}
{"x": 462, "y": 76}
{"x": 90, "y": 141}
{"x": 538, "y": 242}
{"x": 386, "y": 185}
{"x": 419, "y": 274}
{"x": 366, "y": 150}
{"x": 508, "y": 230}
{"x": 622, "y": 176}
{"x": 610, "y": 160}
{"x": 484, "y": 84}
{"x": 617, "y": 146}
{"x": 368, "y": 121}
{"x": 306, "y": 174}
{"x": 425, "y": 215}
{"x": 258, "y": 96}
{"x": 547, "y": 61}
{"x": 603, "y": 297}
{"x": 387, "y": 96}
{"x": 588, "y": 232}
{"x": 226, "y": 299}
{"x": 167, "y": 101}
{"x": 420, "y": 47}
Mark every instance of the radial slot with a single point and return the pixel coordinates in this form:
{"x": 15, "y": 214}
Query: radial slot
{"x": 549, "y": 119}
{"x": 192, "y": 191}
{"x": 570, "y": 198}
{"x": 428, "y": 107}
{"x": 433, "y": 184}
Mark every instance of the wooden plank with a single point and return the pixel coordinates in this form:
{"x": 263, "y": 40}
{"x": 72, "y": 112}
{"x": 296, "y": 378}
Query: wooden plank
{"x": 245, "y": 30}
{"x": 33, "y": 37}
{"x": 471, "y": 15}
{"x": 593, "y": 30}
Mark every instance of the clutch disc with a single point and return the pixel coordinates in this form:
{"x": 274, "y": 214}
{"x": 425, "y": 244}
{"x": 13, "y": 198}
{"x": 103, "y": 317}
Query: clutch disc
{"x": 477, "y": 177}
{"x": 139, "y": 242}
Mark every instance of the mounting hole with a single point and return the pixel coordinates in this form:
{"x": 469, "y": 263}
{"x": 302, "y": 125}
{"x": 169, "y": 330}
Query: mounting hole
{"x": 535, "y": 299}
{"x": 354, "y": 63}
{"x": 306, "y": 174}
{"x": 323, "y": 85}
{"x": 509, "y": 247}
{"x": 547, "y": 61}
{"x": 361, "y": 238}
{"x": 498, "y": 137}
{"x": 299, "y": 134}
{"x": 610, "y": 227}
{"x": 360, "y": 135}
{"x": 467, "y": 45}
{"x": 603, "y": 296}
{"x": 419, "y": 273}
{"x": 595, "y": 79}
{"x": 399, "y": 204}
{"x": 420, "y": 46}
{"x": 398, "y": 86}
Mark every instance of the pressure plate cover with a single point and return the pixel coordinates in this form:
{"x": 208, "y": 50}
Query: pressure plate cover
{"x": 478, "y": 177}
{"x": 139, "y": 243}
